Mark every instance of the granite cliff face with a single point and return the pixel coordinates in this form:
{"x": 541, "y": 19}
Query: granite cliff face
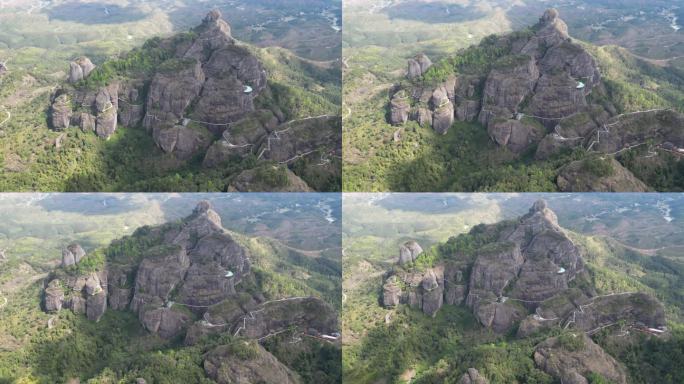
{"x": 542, "y": 92}
{"x": 206, "y": 96}
{"x": 523, "y": 273}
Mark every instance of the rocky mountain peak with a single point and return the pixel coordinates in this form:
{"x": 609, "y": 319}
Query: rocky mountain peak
{"x": 214, "y": 22}
{"x": 550, "y": 15}
{"x": 202, "y": 207}
{"x": 538, "y": 206}
{"x": 213, "y": 15}
{"x": 551, "y": 22}
{"x": 205, "y": 211}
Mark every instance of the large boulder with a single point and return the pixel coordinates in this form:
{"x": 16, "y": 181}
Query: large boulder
{"x": 183, "y": 141}
{"x": 60, "y": 112}
{"x": 400, "y": 107}
{"x": 409, "y": 252}
{"x": 509, "y": 83}
{"x": 166, "y": 322}
{"x": 79, "y": 69}
{"x": 514, "y": 134}
{"x": 158, "y": 274}
{"x": 172, "y": 91}
{"x": 54, "y": 296}
{"x": 391, "y": 296}
{"x": 418, "y": 65}
{"x": 96, "y": 305}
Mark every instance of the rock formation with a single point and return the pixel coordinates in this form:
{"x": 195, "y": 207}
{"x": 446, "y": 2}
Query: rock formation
{"x": 256, "y": 365}
{"x": 3, "y": 68}
{"x": 192, "y": 269}
{"x": 540, "y": 81}
{"x": 409, "y": 251}
{"x": 522, "y": 273}
{"x": 197, "y": 99}
{"x": 418, "y": 65}
{"x": 250, "y": 181}
{"x": 60, "y": 112}
{"x": 72, "y": 254}
{"x": 79, "y": 69}
{"x": 571, "y": 361}
{"x": 575, "y": 177}
{"x": 472, "y": 376}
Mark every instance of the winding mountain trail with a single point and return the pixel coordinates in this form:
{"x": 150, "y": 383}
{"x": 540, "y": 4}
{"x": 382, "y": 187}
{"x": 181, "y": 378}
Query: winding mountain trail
{"x": 275, "y": 134}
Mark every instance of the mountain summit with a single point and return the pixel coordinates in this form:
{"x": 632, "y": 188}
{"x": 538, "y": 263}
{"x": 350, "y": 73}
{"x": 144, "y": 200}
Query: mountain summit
{"x": 525, "y": 275}
{"x": 539, "y": 91}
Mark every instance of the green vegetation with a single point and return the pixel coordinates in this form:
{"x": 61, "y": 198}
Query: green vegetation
{"x": 570, "y": 342}
{"x": 466, "y": 159}
{"x": 598, "y": 167}
{"x": 130, "y": 160}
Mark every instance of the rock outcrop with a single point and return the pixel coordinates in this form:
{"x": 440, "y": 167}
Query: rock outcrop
{"x": 472, "y": 376}
{"x": 539, "y": 81}
{"x": 521, "y": 274}
{"x": 79, "y": 69}
{"x": 72, "y": 254}
{"x": 195, "y": 263}
{"x": 252, "y": 364}
{"x": 251, "y": 181}
{"x": 54, "y": 296}
{"x": 572, "y": 357}
{"x": 409, "y": 251}
{"x": 195, "y": 94}
{"x": 185, "y": 271}
{"x": 418, "y": 65}
{"x": 581, "y": 176}
{"x": 60, "y": 112}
